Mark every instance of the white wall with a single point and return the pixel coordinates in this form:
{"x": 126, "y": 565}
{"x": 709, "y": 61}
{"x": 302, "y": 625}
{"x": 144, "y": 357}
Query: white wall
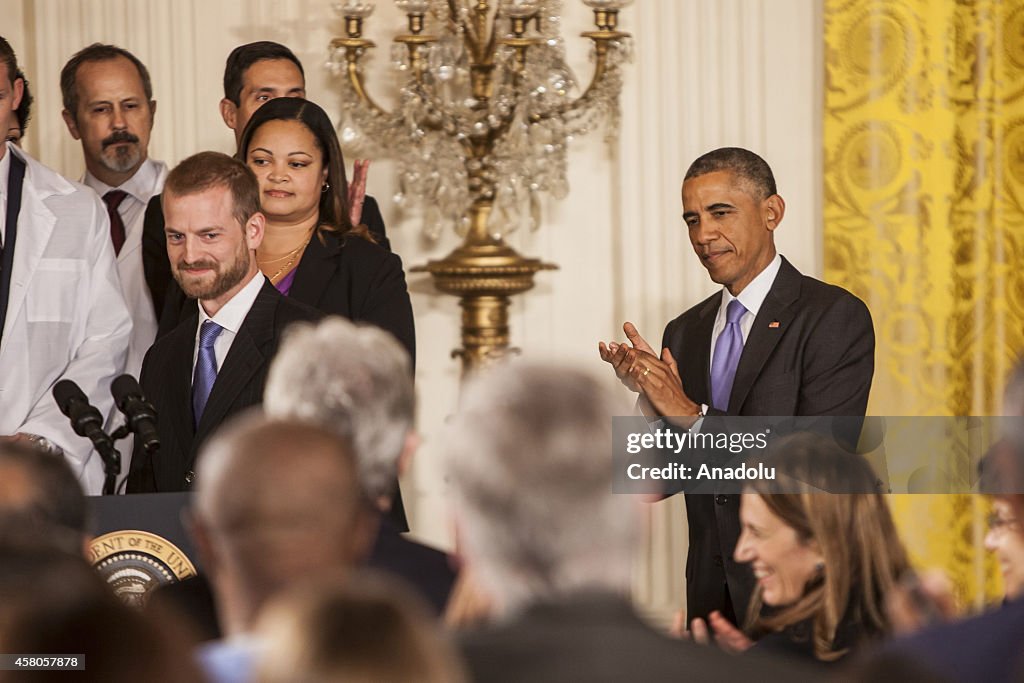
{"x": 707, "y": 73}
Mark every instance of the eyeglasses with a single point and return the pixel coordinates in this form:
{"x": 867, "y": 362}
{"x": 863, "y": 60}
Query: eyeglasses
{"x": 997, "y": 523}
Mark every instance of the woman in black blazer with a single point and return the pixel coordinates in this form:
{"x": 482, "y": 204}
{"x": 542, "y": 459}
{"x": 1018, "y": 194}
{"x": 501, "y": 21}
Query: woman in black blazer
{"x": 311, "y": 250}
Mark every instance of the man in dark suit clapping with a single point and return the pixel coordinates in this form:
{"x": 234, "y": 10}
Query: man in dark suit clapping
{"x": 772, "y": 342}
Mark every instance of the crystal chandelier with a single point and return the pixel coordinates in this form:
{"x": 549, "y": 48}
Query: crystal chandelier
{"x": 486, "y": 109}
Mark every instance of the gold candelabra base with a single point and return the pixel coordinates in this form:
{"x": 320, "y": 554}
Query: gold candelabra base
{"x": 484, "y": 276}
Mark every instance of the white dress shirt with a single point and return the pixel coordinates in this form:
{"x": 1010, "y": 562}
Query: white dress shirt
{"x": 752, "y": 296}
{"x": 147, "y": 182}
{"x": 230, "y": 317}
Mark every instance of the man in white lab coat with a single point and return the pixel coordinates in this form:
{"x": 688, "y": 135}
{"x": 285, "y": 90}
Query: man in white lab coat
{"x": 109, "y": 106}
{"x": 61, "y": 308}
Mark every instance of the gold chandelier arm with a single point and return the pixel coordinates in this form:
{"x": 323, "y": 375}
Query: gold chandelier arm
{"x": 601, "y": 48}
{"x": 600, "y": 69}
{"x": 487, "y": 55}
{"x": 352, "y": 54}
{"x": 454, "y": 21}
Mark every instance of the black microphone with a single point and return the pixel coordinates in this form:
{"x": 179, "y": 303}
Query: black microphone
{"x": 85, "y": 418}
{"x": 140, "y": 413}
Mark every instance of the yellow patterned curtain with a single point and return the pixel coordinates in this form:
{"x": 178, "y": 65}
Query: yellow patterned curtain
{"x": 924, "y": 220}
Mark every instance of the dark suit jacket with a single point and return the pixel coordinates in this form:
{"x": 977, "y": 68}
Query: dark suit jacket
{"x": 819, "y": 360}
{"x": 364, "y": 283}
{"x": 597, "y": 637}
{"x": 428, "y": 570}
{"x": 359, "y": 281}
{"x": 167, "y": 382}
{"x": 988, "y": 648}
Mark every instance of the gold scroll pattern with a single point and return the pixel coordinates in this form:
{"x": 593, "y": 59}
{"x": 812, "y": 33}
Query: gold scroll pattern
{"x": 924, "y": 220}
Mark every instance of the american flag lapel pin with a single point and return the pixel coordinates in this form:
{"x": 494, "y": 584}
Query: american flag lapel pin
{"x": 773, "y": 325}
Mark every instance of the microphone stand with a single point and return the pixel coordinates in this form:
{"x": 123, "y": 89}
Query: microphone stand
{"x": 112, "y": 458}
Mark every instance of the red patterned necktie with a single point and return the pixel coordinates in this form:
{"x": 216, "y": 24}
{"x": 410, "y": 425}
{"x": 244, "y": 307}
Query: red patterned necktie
{"x": 113, "y": 200}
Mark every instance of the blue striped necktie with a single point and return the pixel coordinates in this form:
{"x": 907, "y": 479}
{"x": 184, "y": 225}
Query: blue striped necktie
{"x": 206, "y": 368}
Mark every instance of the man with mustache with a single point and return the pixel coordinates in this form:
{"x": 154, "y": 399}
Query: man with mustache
{"x": 214, "y": 363}
{"x": 109, "y": 106}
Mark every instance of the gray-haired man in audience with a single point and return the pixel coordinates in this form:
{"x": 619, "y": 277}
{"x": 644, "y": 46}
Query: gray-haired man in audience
{"x": 529, "y": 457}
{"x": 357, "y": 381}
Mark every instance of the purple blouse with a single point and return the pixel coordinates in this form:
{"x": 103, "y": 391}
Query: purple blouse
{"x": 284, "y": 285}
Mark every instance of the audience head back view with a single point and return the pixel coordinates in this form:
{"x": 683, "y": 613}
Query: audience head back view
{"x": 277, "y": 502}
{"x": 529, "y": 458}
{"x": 356, "y": 381}
{"x": 364, "y": 629}
{"x": 53, "y": 602}
{"x": 40, "y": 495}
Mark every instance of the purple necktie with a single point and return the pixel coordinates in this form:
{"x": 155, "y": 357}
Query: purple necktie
{"x": 727, "y": 356}
{"x": 206, "y": 368}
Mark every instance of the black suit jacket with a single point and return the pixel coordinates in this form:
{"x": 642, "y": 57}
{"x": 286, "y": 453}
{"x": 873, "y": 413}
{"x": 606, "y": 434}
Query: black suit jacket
{"x": 363, "y": 282}
{"x": 981, "y": 649}
{"x": 818, "y": 360}
{"x": 358, "y": 280}
{"x": 167, "y": 382}
{"x": 597, "y": 637}
{"x": 428, "y": 570}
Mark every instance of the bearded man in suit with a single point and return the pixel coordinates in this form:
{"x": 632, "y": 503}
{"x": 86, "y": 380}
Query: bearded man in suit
{"x": 215, "y": 362}
{"x": 771, "y": 342}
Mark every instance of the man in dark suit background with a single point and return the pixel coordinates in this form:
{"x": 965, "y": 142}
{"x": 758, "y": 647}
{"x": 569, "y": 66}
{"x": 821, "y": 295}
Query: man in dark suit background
{"x": 771, "y": 342}
{"x": 214, "y": 363}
